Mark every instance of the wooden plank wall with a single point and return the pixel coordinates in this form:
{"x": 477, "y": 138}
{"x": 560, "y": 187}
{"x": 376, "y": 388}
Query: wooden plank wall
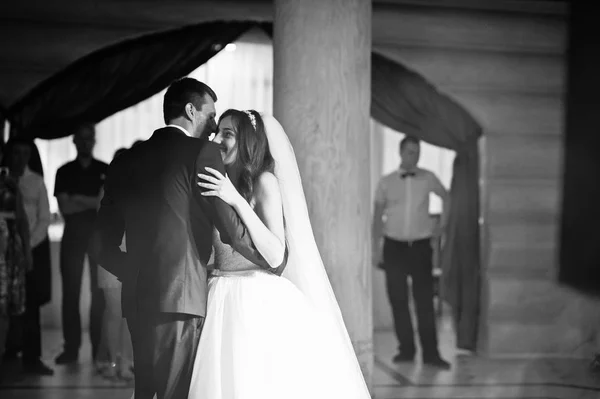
{"x": 508, "y": 70}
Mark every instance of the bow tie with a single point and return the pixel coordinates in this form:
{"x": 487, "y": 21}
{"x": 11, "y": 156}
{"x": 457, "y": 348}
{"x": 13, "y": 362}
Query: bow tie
{"x": 407, "y": 174}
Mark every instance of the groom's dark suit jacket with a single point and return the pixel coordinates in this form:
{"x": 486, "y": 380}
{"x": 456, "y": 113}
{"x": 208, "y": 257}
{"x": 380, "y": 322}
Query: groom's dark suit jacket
{"x": 151, "y": 193}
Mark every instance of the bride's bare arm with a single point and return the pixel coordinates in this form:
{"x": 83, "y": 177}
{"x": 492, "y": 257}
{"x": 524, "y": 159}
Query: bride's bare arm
{"x": 265, "y": 221}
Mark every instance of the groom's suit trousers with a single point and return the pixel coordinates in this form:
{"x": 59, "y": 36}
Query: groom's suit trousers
{"x": 164, "y": 349}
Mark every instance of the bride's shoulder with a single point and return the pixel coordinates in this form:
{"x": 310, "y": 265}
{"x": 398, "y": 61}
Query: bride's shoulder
{"x": 267, "y": 186}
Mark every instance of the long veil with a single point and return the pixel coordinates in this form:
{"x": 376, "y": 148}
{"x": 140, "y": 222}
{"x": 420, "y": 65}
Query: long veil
{"x": 305, "y": 267}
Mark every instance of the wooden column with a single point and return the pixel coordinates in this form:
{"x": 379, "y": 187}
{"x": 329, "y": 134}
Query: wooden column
{"x": 322, "y": 97}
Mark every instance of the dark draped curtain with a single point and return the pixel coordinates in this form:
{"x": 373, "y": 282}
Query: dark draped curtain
{"x": 579, "y": 235}
{"x": 117, "y": 77}
{"x": 406, "y": 102}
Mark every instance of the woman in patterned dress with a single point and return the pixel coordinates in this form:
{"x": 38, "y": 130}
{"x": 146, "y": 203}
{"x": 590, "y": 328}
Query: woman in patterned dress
{"x": 15, "y": 252}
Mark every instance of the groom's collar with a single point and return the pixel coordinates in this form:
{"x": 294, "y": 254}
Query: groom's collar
{"x": 180, "y": 128}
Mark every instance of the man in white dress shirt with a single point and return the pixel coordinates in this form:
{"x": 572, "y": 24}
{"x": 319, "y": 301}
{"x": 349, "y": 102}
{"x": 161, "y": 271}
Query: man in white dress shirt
{"x": 402, "y": 246}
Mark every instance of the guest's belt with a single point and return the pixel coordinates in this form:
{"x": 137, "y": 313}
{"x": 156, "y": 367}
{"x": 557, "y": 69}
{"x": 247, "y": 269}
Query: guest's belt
{"x": 410, "y": 243}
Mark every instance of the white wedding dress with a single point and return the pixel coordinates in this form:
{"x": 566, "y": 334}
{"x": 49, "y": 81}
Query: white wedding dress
{"x": 262, "y": 339}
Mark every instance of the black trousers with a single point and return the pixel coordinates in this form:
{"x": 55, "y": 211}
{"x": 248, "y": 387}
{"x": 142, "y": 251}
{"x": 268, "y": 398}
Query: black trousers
{"x": 25, "y": 332}
{"x": 164, "y": 349}
{"x": 73, "y": 248}
{"x": 32, "y": 329}
{"x": 400, "y": 261}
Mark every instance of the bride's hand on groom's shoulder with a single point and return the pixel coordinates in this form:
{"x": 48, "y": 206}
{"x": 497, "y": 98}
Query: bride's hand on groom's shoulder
{"x": 220, "y": 186}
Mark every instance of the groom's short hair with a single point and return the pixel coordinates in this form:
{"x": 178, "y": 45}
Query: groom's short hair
{"x": 182, "y": 92}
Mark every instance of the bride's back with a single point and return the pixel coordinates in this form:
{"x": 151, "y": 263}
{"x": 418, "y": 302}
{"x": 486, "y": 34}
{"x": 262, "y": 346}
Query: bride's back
{"x": 227, "y": 259}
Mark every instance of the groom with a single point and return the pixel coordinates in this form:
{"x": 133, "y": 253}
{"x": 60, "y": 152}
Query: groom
{"x": 151, "y": 195}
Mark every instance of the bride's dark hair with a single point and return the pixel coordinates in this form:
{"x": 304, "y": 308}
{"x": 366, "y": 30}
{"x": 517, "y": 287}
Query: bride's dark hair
{"x": 253, "y": 154}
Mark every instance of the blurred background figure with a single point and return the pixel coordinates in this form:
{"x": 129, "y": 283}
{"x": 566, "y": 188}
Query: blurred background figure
{"x": 77, "y": 189}
{"x": 402, "y": 246}
{"x": 26, "y": 331}
{"x": 15, "y": 254}
{"x": 115, "y": 353}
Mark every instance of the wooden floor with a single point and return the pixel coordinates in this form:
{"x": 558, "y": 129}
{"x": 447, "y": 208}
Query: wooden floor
{"x": 470, "y": 377}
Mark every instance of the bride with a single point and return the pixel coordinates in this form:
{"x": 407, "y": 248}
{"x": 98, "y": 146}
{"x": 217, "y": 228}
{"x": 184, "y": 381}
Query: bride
{"x": 265, "y": 336}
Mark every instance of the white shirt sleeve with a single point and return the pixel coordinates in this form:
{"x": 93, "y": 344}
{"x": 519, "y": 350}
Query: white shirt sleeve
{"x": 436, "y": 186}
{"x": 40, "y": 230}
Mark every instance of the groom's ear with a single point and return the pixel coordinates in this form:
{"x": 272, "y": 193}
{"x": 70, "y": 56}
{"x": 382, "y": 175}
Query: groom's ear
{"x": 189, "y": 111}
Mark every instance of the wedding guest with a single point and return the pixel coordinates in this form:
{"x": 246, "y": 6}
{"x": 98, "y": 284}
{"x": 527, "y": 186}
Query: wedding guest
{"x": 37, "y": 209}
{"x": 115, "y": 354}
{"x": 15, "y": 253}
{"x": 77, "y": 190}
{"x": 402, "y": 233}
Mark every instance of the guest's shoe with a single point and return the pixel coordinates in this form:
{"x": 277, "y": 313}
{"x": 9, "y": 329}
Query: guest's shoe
{"x": 126, "y": 373}
{"x": 437, "y": 361}
{"x": 99, "y": 366}
{"x": 125, "y": 368}
{"x": 10, "y": 356}
{"x": 110, "y": 372}
{"x": 4, "y": 372}
{"x": 403, "y": 358}
{"x": 67, "y": 358}
{"x": 10, "y": 374}
{"x": 36, "y": 367}
{"x": 462, "y": 352}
